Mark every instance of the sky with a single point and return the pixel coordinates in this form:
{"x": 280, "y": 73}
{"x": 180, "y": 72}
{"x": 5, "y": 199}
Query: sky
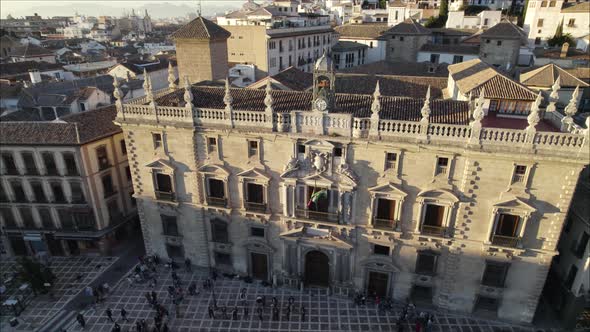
{"x": 156, "y": 8}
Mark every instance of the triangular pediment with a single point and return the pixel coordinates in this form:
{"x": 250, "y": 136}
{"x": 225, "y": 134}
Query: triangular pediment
{"x": 161, "y": 164}
{"x": 388, "y": 189}
{"x": 254, "y": 173}
{"x": 514, "y": 203}
{"x": 319, "y": 178}
{"x": 439, "y": 194}
{"x": 319, "y": 143}
{"x": 315, "y": 236}
{"x": 214, "y": 169}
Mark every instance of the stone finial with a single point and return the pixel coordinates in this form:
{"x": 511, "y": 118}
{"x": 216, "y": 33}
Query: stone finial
{"x": 227, "y": 98}
{"x": 171, "y": 77}
{"x": 533, "y": 119}
{"x": 555, "y": 88}
{"x": 478, "y": 113}
{"x": 117, "y": 91}
{"x": 572, "y": 106}
{"x": 376, "y": 105}
{"x": 268, "y": 98}
{"x": 425, "y": 111}
{"x": 188, "y": 94}
{"x": 147, "y": 87}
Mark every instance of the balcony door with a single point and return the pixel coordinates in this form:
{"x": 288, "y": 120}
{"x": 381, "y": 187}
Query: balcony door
{"x": 507, "y": 225}
{"x": 259, "y": 266}
{"x": 377, "y": 285}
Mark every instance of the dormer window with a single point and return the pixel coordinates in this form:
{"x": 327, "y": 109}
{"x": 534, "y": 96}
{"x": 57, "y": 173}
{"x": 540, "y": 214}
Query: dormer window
{"x": 390, "y": 161}
{"x": 519, "y": 175}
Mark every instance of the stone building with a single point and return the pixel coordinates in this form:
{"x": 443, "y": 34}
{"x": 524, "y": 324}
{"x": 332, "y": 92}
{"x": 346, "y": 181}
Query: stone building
{"x": 206, "y": 40}
{"x": 543, "y": 17}
{"x": 66, "y": 186}
{"x": 500, "y": 44}
{"x": 404, "y": 40}
{"x": 401, "y": 197}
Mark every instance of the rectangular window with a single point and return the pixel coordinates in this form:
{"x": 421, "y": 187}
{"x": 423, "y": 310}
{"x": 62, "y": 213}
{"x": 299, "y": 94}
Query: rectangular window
{"x": 26, "y": 215}
{"x": 543, "y": 3}
{"x": 77, "y": 193}
{"x": 540, "y": 23}
{"x": 102, "y": 157}
{"x": 30, "y": 165}
{"x": 257, "y": 231}
{"x": 337, "y": 152}
{"x": 107, "y": 186}
{"x": 219, "y": 231}
{"x": 174, "y": 251}
{"x": 216, "y": 194}
{"x": 70, "y": 162}
{"x": 401, "y": 38}
{"x": 552, "y": 3}
{"x": 434, "y": 58}
{"x": 433, "y": 220}
{"x": 211, "y": 144}
{"x": 442, "y": 164}
{"x": 163, "y": 186}
{"x": 169, "y": 225}
{"x": 255, "y": 193}
{"x": 457, "y": 59}
{"x": 519, "y": 175}
{"x": 385, "y": 215}
{"x": 58, "y": 193}
{"x": 426, "y": 263}
{"x": 46, "y": 219}
{"x": 390, "y": 160}
{"x": 157, "y": 138}
{"x": 123, "y": 147}
{"x": 9, "y": 164}
{"x": 49, "y": 161}
{"x": 494, "y": 274}
{"x": 499, "y": 43}
{"x": 19, "y": 192}
{"x": 8, "y": 217}
{"x": 571, "y": 277}
{"x": 252, "y": 149}
{"x": 380, "y": 250}
{"x": 571, "y": 23}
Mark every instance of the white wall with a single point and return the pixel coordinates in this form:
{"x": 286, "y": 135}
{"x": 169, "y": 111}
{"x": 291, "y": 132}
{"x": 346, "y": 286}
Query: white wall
{"x": 374, "y": 53}
{"x": 444, "y": 57}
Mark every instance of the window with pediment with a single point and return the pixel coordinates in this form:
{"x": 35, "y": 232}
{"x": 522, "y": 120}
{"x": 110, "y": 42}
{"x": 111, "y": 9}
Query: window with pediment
{"x": 387, "y": 201}
{"x": 163, "y": 179}
{"x": 215, "y": 179}
{"x": 509, "y": 218}
{"x": 254, "y": 189}
{"x": 520, "y": 175}
{"x": 437, "y": 207}
{"x": 219, "y": 231}
{"x": 317, "y": 201}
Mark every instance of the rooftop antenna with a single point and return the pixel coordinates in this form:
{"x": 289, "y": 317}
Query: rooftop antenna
{"x": 199, "y": 7}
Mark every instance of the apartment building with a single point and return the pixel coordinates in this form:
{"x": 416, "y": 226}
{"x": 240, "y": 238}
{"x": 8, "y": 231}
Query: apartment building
{"x": 543, "y": 17}
{"x": 275, "y": 37}
{"x": 403, "y": 197}
{"x": 66, "y": 186}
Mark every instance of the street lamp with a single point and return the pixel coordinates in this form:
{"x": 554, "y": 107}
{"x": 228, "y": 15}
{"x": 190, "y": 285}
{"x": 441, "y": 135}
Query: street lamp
{"x": 214, "y": 297}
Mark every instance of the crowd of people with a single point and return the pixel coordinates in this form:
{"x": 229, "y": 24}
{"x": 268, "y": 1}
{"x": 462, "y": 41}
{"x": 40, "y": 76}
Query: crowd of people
{"x": 146, "y": 272}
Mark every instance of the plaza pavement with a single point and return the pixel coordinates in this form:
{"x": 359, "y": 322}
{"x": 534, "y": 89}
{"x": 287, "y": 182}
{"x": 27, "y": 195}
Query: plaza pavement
{"x": 324, "y": 312}
{"x": 73, "y": 274}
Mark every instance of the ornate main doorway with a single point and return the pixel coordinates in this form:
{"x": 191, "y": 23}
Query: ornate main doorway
{"x": 317, "y": 269}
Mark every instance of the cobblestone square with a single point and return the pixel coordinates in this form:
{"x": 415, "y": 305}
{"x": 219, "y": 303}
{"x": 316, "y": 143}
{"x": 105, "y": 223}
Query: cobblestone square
{"x": 72, "y": 275}
{"x": 324, "y": 312}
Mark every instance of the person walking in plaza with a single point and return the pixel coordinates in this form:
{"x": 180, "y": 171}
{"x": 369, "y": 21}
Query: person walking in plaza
{"x": 275, "y": 313}
{"x": 116, "y": 328}
{"x": 288, "y": 313}
{"x": 234, "y": 313}
{"x": 224, "y": 312}
{"x": 81, "y": 320}
{"x": 260, "y": 314}
{"x": 211, "y": 312}
{"x": 400, "y": 324}
{"x": 109, "y": 314}
{"x": 245, "y": 312}
{"x": 302, "y": 313}
{"x": 124, "y": 314}
{"x": 165, "y": 328}
{"x": 138, "y": 326}
{"x": 187, "y": 264}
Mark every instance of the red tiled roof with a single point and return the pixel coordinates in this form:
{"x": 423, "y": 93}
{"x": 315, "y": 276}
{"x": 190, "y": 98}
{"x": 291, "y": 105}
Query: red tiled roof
{"x": 201, "y": 28}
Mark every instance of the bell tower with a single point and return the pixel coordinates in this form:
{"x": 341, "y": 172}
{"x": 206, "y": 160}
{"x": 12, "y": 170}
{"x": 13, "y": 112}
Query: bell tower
{"x": 324, "y": 80}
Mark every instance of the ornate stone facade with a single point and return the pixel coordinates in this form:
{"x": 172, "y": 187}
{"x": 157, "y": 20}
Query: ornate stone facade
{"x": 460, "y": 215}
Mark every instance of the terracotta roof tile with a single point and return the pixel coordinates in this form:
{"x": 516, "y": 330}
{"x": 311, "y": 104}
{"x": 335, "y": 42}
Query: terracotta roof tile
{"x": 399, "y": 108}
{"x": 545, "y": 77}
{"x": 506, "y": 30}
{"x": 361, "y": 31}
{"x": 201, "y": 28}
{"x": 409, "y": 27}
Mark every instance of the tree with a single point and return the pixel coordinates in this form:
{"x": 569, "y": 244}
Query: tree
{"x": 35, "y": 273}
{"x": 382, "y": 4}
{"x": 443, "y": 10}
{"x": 560, "y": 38}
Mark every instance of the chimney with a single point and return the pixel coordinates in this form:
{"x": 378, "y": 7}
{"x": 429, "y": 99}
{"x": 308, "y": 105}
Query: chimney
{"x": 35, "y": 76}
{"x": 564, "y": 49}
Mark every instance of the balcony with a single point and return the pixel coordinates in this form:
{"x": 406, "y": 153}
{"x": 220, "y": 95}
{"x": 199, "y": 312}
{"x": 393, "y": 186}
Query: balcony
{"x": 518, "y": 178}
{"x": 217, "y": 201}
{"x": 165, "y": 196}
{"x": 505, "y": 241}
{"x": 255, "y": 207}
{"x": 384, "y": 224}
{"x": 316, "y": 215}
{"x": 433, "y": 230}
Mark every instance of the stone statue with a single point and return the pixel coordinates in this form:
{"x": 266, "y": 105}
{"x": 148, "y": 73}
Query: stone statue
{"x": 347, "y": 171}
{"x": 293, "y": 164}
